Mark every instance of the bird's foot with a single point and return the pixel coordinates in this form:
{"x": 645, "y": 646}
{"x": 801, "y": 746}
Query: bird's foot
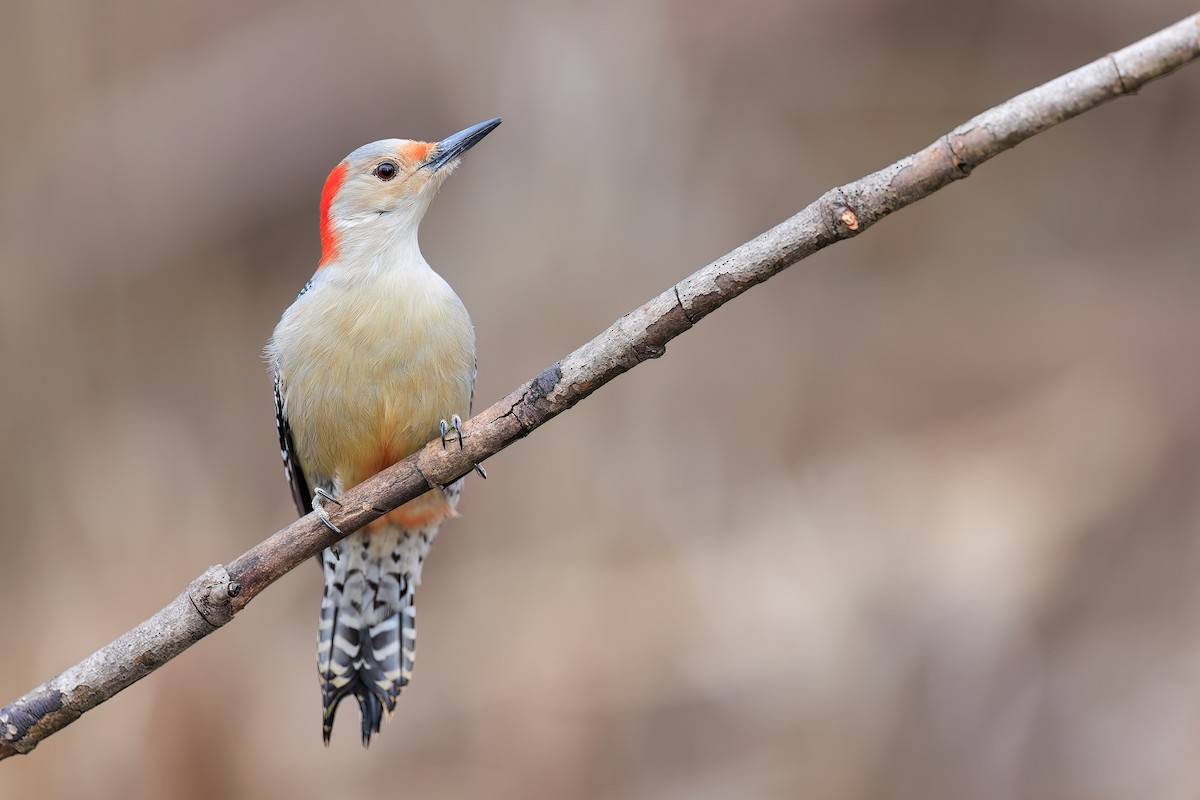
{"x": 318, "y": 507}
{"x": 455, "y": 423}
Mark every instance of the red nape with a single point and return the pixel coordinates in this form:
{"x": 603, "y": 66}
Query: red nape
{"x": 329, "y": 237}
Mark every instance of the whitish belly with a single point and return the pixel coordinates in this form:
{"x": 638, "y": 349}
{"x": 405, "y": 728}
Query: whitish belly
{"x": 370, "y": 383}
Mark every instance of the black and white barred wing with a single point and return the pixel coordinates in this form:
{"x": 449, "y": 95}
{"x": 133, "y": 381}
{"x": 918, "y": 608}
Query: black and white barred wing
{"x": 287, "y": 450}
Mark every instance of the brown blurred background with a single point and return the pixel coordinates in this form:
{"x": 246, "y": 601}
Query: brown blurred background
{"x": 918, "y": 519}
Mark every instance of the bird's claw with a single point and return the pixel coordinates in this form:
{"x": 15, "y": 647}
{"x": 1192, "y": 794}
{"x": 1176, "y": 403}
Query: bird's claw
{"x": 318, "y": 507}
{"x": 456, "y": 424}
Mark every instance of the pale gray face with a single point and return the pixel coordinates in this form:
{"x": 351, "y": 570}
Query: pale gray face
{"x": 395, "y": 178}
{"x": 384, "y": 177}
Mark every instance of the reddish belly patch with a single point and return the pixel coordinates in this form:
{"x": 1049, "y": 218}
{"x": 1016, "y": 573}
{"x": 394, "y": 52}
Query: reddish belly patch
{"x": 427, "y": 510}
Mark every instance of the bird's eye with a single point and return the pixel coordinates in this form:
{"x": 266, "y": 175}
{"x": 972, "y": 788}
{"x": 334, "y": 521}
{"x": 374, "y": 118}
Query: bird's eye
{"x": 386, "y": 171}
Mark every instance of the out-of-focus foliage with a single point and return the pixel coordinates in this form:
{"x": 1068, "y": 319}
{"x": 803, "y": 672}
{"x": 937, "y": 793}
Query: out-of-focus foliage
{"x": 919, "y": 519}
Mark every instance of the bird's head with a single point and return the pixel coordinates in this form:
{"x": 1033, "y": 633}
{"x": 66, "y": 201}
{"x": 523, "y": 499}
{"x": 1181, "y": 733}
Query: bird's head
{"x": 383, "y": 189}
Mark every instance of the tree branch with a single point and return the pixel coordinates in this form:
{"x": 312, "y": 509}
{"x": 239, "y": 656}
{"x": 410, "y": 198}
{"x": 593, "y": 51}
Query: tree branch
{"x": 216, "y": 596}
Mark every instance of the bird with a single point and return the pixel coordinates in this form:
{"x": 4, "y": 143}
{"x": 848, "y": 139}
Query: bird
{"x": 373, "y": 359}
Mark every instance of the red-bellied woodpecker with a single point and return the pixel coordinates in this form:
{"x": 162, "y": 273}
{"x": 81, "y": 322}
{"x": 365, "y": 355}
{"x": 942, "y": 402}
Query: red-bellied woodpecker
{"x": 370, "y": 361}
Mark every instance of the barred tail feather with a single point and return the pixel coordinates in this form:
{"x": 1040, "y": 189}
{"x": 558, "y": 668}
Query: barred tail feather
{"x": 366, "y": 639}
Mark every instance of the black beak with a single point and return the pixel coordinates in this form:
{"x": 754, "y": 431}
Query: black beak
{"x": 454, "y": 146}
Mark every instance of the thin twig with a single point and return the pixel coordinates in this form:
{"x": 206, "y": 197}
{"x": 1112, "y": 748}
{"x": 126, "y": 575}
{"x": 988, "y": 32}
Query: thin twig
{"x": 213, "y": 598}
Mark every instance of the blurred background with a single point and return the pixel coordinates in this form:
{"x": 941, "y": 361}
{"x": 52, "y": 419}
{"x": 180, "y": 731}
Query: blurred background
{"x": 918, "y": 519}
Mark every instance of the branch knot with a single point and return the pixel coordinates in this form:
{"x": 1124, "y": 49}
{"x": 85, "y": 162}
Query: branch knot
{"x": 210, "y": 595}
